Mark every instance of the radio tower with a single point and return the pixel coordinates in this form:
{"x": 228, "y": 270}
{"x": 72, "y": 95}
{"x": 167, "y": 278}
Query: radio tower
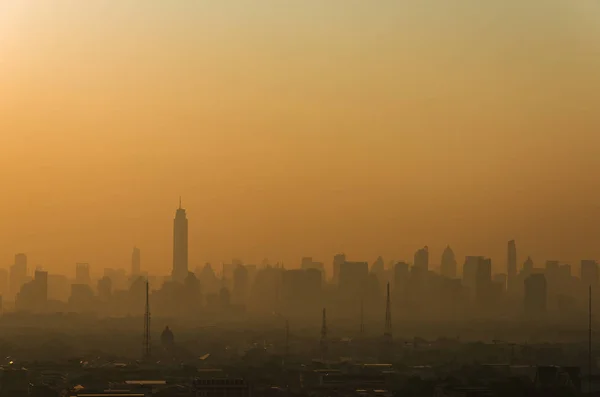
{"x": 590, "y": 342}
{"x": 147, "y": 348}
{"x": 387, "y": 335}
{"x": 362, "y": 320}
{"x": 324, "y": 336}
{"x": 287, "y": 342}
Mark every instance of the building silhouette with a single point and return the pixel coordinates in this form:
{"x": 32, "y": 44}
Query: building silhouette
{"x": 448, "y": 267}
{"x": 589, "y": 272}
{"x": 241, "y": 284}
{"x": 470, "y": 272}
{"x": 82, "y": 273}
{"x": 422, "y": 259}
{"x": 104, "y": 289}
{"x": 18, "y": 274}
{"x": 119, "y": 278}
{"x": 34, "y": 294}
{"x": 511, "y": 265}
{"x": 401, "y": 280}
{"x": 180, "y": 245}
{"x": 167, "y": 339}
{"x": 59, "y": 287}
{"x": 301, "y": 289}
{"x": 4, "y": 289}
{"x": 208, "y": 279}
{"x": 528, "y": 266}
{"x": 136, "y": 262}
{"x": 308, "y": 263}
{"x": 378, "y": 268}
{"x": 483, "y": 281}
{"x": 82, "y": 298}
{"x": 501, "y": 281}
{"x": 353, "y": 279}
{"x": 535, "y": 294}
{"x": 338, "y": 260}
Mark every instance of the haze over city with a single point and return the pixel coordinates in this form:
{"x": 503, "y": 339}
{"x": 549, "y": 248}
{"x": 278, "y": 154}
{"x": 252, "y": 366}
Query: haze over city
{"x": 319, "y": 198}
{"x": 299, "y": 129}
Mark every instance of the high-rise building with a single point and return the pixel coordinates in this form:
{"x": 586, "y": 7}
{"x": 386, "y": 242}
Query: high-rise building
{"x": 528, "y": 266}
{"x": 41, "y": 280}
{"x": 180, "y": 245}
{"x": 82, "y": 298}
{"x": 118, "y": 277}
{"x": 511, "y": 264}
{"x": 552, "y": 266}
{"x": 21, "y": 260}
{"x": 82, "y": 273}
{"x": 535, "y": 294}
{"x": 309, "y": 263}
{"x": 104, "y": 289}
{"x": 483, "y": 280}
{"x": 338, "y": 260}
{"x": 18, "y": 274}
{"x": 378, "y": 267}
{"x": 589, "y": 272}
{"x": 553, "y": 279}
{"x": 501, "y": 281}
{"x": 470, "y": 272}
{"x": 4, "y": 282}
{"x": 240, "y": 284}
{"x": 34, "y": 294}
{"x": 564, "y": 272}
{"x": 208, "y": 279}
{"x": 301, "y": 289}
{"x": 353, "y": 278}
{"x": 422, "y": 259}
{"x": 59, "y": 287}
{"x": 136, "y": 262}
{"x": 401, "y": 279}
{"x": 448, "y": 267}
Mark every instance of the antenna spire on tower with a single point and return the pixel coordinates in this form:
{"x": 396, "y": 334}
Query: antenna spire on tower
{"x": 179, "y": 202}
{"x": 388, "y": 317}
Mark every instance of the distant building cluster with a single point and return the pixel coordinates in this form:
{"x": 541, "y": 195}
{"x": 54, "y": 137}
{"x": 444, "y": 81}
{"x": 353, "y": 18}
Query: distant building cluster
{"x": 467, "y": 290}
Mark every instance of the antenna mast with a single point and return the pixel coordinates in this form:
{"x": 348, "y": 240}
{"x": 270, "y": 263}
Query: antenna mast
{"x": 590, "y": 342}
{"x": 362, "y": 319}
{"x": 388, "y": 318}
{"x": 147, "y": 345}
{"x": 287, "y": 342}
{"x": 324, "y": 335}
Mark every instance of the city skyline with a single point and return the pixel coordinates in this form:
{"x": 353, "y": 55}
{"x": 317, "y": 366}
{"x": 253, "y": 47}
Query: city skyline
{"x": 376, "y": 198}
{"x": 513, "y": 262}
{"x": 430, "y": 127}
{"x": 446, "y": 264}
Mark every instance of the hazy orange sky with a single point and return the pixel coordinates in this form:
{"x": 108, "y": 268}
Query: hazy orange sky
{"x": 298, "y": 128}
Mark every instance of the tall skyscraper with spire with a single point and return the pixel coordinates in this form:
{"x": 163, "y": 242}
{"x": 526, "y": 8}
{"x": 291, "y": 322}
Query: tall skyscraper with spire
{"x": 180, "y": 245}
